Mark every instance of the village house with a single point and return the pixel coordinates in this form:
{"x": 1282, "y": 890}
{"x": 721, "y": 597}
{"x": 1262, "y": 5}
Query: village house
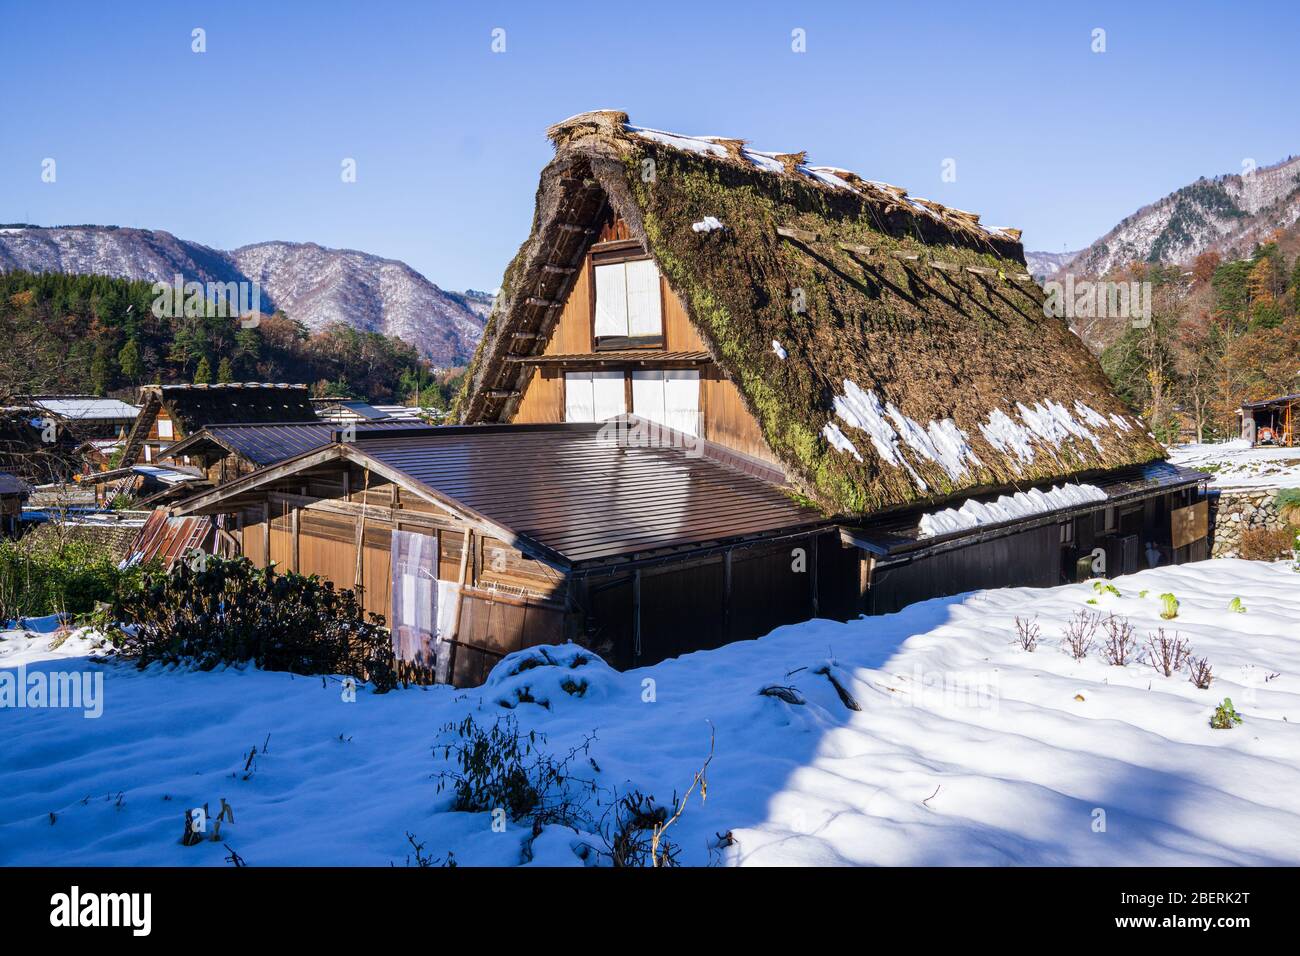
{"x": 168, "y": 413}
{"x": 724, "y": 390}
{"x": 13, "y": 492}
{"x": 1270, "y": 421}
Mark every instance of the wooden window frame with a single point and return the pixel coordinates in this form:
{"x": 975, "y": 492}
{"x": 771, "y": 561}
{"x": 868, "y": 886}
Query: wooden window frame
{"x": 614, "y": 253}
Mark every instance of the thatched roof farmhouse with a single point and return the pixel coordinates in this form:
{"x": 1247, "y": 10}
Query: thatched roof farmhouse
{"x": 890, "y": 349}
{"x": 721, "y": 390}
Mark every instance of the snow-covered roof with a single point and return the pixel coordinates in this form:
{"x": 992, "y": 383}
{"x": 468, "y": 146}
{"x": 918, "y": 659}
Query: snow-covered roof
{"x": 86, "y": 408}
{"x": 916, "y": 359}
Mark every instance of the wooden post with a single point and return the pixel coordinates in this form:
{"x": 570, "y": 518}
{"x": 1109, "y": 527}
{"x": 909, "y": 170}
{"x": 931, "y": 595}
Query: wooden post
{"x": 726, "y": 594}
{"x": 812, "y": 574}
{"x": 266, "y": 533}
{"x": 636, "y": 616}
{"x": 866, "y": 564}
{"x": 454, "y": 637}
{"x": 294, "y": 520}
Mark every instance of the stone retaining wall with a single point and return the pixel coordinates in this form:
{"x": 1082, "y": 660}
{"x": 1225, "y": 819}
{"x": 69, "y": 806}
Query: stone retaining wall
{"x": 1232, "y": 512}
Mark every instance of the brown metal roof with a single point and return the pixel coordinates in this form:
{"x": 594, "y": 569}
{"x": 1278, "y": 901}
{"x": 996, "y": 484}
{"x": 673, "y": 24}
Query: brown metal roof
{"x": 266, "y": 444}
{"x": 580, "y": 495}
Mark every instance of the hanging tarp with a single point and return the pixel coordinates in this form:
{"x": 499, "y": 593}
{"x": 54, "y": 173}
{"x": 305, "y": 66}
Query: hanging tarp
{"x": 414, "y": 621}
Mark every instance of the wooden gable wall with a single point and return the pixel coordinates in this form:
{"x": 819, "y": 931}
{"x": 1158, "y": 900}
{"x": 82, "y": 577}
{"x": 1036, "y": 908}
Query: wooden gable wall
{"x": 727, "y": 421}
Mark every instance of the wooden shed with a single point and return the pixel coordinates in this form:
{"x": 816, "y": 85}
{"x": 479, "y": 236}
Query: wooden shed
{"x": 13, "y": 492}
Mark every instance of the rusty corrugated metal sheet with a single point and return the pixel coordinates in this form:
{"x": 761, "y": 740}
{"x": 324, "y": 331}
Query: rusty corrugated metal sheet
{"x": 169, "y": 539}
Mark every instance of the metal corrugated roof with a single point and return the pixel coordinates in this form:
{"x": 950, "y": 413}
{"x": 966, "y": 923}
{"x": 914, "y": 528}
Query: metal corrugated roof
{"x": 13, "y": 485}
{"x": 168, "y": 539}
{"x": 268, "y": 444}
{"x": 86, "y": 408}
{"x": 582, "y": 496}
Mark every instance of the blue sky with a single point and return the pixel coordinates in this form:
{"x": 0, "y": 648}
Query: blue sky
{"x": 245, "y": 142}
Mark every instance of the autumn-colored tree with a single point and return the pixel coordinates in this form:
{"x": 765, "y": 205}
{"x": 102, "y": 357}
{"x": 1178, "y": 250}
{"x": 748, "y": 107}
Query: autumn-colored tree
{"x": 1204, "y": 266}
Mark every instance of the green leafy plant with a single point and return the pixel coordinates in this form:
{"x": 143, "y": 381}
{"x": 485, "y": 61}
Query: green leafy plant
{"x": 1237, "y": 606}
{"x": 1225, "y": 716}
{"x": 229, "y": 611}
{"x": 41, "y": 574}
{"x": 1170, "y": 610}
{"x": 1287, "y": 502}
{"x": 1105, "y": 587}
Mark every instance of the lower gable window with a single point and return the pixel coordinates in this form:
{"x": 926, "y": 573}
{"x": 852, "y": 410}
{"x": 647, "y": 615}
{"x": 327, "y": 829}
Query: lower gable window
{"x": 593, "y": 396}
{"x": 670, "y": 397}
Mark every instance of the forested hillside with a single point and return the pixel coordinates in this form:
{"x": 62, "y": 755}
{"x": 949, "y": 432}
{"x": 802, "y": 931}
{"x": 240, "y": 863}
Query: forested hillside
{"x": 1221, "y": 332}
{"x": 88, "y": 333}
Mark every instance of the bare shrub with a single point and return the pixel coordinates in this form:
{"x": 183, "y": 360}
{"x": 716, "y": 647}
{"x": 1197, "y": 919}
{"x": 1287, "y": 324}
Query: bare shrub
{"x": 1120, "y": 644}
{"x": 1081, "y": 634}
{"x": 1028, "y": 633}
{"x": 1167, "y": 654}
{"x": 1264, "y": 544}
{"x": 1199, "y": 672}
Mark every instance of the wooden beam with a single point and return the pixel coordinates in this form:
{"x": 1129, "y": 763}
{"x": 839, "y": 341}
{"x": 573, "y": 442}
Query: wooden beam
{"x": 559, "y": 270}
{"x": 544, "y": 303}
{"x": 266, "y": 536}
{"x": 574, "y": 228}
{"x": 294, "y": 526}
{"x": 501, "y": 393}
{"x": 797, "y": 234}
{"x": 527, "y": 335}
{"x": 856, "y": 249}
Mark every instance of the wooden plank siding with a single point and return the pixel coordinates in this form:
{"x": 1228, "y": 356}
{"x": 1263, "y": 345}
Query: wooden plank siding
{"x": 727, "y": 421}
{"x": 509, "y": 601}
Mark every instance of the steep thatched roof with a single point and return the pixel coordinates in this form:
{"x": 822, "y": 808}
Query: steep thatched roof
{"x": 892, "y": 349}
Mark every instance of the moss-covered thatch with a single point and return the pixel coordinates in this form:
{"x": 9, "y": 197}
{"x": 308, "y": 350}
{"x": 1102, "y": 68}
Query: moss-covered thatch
{"x": 919, "y": 362}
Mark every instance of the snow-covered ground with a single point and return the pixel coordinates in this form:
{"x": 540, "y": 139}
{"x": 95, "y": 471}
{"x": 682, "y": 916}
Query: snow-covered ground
{"x": 1236, "y": 465}
{"x": 966, "y": 748}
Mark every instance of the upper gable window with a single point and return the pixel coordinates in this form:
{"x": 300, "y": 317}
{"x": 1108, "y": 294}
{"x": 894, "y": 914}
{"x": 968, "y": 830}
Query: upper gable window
{"x": 629, "y": 308}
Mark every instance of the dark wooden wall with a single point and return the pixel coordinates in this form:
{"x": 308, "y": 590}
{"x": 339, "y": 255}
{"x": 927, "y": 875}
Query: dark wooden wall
{"x": 1041, "y": 557}
{"x": 705, "y": 603}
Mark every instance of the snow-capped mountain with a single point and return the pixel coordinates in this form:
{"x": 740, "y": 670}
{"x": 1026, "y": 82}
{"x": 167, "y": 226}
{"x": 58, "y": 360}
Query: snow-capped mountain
{"x": 310, "y": 283}
{"x": 1044, "y": 265}
{"x": 318, "y": 286}
{"x": 1227, "y": 214}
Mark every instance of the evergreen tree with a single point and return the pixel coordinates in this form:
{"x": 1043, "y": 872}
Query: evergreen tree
{"x": 101, "y": 371}
{"x": 224, "y": 371}
{"x": 129, "y": 362}
{"x": 203, "y": 373}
